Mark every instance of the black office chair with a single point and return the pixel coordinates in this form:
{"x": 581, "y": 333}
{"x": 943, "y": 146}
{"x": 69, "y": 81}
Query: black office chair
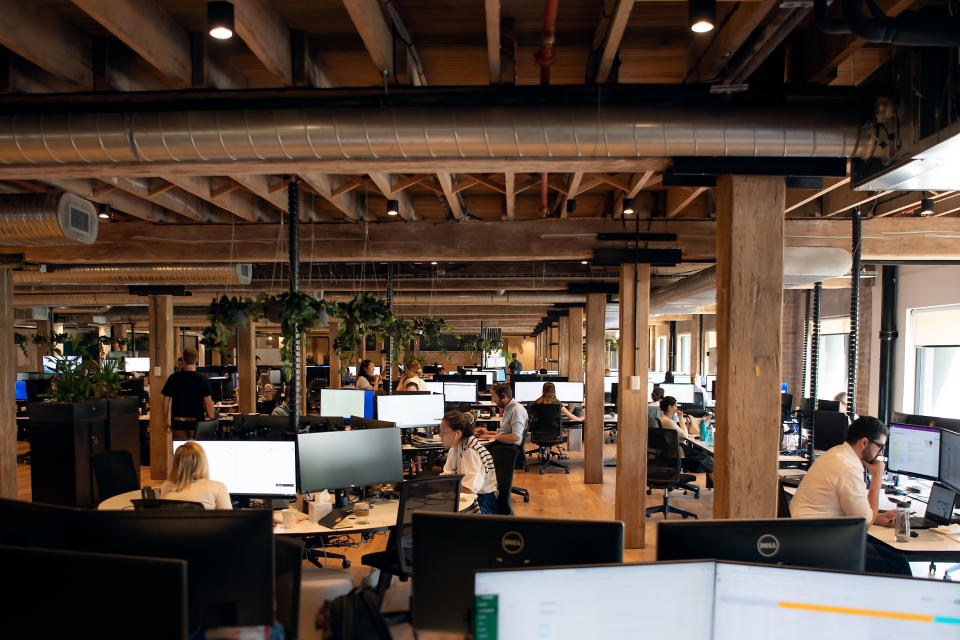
{"x": 163, "y": 503}
{"x": 436, "y": 493}
{"x": 652, "y": 423}
{"x": 115, "y": 473}
{"x": 207, "y": 430}
{"x": 546, "y": 431}
{"x": 783, "y": 500}
{"x": 663, "y": 469}
{"x": 287, "y": 570}
{"x": 504, "y": 461}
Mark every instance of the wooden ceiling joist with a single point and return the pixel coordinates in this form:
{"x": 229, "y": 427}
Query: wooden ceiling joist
{"x": 510, "y": 195}
{"x": 610, "y": 33}
{"x": 384, "y": 182}
{"x": 732, "y": 35}
{"x": 376, "y": 34}
{"x": 453, "y": 200}
{"x": 240, "y": 203}
{"x": 33, "y": 31}
{"x": 266, "y": 35}
{"x": 573, "y": 188}
{"x": 117, "y": 199}
{"x": 185, "y": 204}
{"x": 346, "y": 203}
{"x": 680, "y": 198}
{"x": 491, "y": 11}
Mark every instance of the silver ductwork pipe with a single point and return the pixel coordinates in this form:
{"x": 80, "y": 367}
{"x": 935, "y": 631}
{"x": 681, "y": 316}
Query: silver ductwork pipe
{"x": 47, "y": 219}
{"x": 555, "y": 132}
{"x": 146, "y": 274}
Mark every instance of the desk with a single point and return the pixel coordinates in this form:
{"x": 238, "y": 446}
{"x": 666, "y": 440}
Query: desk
{"x": 781, "y": 458}
{"x": 383, "y": 515}
{"x": 929, "y": 544}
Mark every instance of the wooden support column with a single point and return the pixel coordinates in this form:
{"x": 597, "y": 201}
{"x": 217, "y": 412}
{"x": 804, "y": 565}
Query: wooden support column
{"x": 593, "y": 411}
{"x": 247, "y": 368}
{"x": 749, "y": 309}
{"x": 562, "y": 350}
{"x": 215, "y": 358}
{"x": 8, "y": 406}
{"x": 162, "y": 361}
{"x": 574, "y": 346}
{"x": 630, "y": 503}
{"x": 334, "y": 357}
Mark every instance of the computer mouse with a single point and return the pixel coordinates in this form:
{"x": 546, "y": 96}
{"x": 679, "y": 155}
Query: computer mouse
{"x": 914, "y": 534}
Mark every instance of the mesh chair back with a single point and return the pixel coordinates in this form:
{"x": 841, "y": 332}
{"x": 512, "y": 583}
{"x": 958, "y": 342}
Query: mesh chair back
{"x": 504, "y": 461}
{"x": 436, "y": 493}
{"x": 160, "y": 503}
{"x": 207, "y": 429}
{"x": 663, "y": 458}
{"x": 545, "y": 427}
{"x": 115, "y": 473}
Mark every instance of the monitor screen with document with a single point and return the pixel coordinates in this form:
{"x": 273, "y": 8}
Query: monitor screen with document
{"x": 914, "y": 451}
{"x": 252, "y": 467}
{"x": 950, "y": 458}
{"x": 460, "y": 391}
{"x": 682, "y": 392}
{"x": 411, "y": 410}
{"x": 344, "y": 403}
{"x": 140, "y": 365}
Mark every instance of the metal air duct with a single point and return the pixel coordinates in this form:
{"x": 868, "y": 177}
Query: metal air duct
{"x": 146, "y": 274}
{"x": 555, "y": 132}
{"x": 47, "y": 219}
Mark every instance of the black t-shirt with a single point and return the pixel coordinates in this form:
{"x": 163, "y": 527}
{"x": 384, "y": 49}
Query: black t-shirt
{"x": 187, "y": 389}
{"x": 515, "y": 366}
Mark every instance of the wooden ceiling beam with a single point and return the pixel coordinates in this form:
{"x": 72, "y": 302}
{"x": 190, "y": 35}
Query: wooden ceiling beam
{"x": 147, "y": 29}
{"x": 641, "y": 181}
{"x": 463, "y": 182}
{"x": 384, "y": 182}
{"x": 262, "y": 186}
{"x": 797, "y": 198}
{"x": 610, "y": 32}
{"x": 453, "y": 200}
{"x": 376, "y": 34}
{"x": 491, "y": 9}
{"x": 35, "y": 32}
{"x": 731, "y": 37}
{"x": 408, "y": 182}
{"x": 488, "y": 183}
{"x": 839, "y": 200}
{"x": 240, "y": 203}
{"x": 119, "y": 200}
{"x": 680, "y": 198}
{"x": 346, "y": 203}
{"x": 510, "y": 195}
{"x": 613, "y": 182}
{"x": 573, "y": 188}
{"x": 187, "y": 205}
{"x": 890, "y": 238}
{"x": 266, "y": 35}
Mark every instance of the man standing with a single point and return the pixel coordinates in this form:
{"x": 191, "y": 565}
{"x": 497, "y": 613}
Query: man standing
{"x": 834, "y": 488}
{"x": 186, "y": 398}
{"x": 514, "y": 419}
{"x": 515, "y": 366}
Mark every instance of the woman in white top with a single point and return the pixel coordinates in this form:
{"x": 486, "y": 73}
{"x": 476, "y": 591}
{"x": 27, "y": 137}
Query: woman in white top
{"x": 469, "y": 457}
{"x": 190, "y": 479}
{"x": 366, "y": 378}
{"x": 412, "y": 373}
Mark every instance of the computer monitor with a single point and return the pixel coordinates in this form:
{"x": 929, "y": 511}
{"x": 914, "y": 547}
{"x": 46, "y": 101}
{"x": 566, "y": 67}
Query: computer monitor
{"x": 221, "y": 388}
{"x": 495, "y": 361}
{"x": 828, "y": 405}
{"x": 352, "y": 371}
{"x": 786, "y": 404}
{"x": 411, "y": 410}
{"x": 950, "y": 458}
{"x": 608, "y": 383}
{"x": 682, "y": 392}
{"x": 569, "y": 391}
{"x": 314, "y": 371}
{"x": 499, "y": 375}
{"x": 138, "y": 586}
{"x": 615, "y": 392}
{"x": 573, "y": 602}
{"x": 139, "y": 365}
{"x": 828, "y": 543}
{"x": 656, "y": 376}
{"x": 346, "y": 402}
{"x": 783, "y": 387}
{"x": 719, "y": 601}
{"x": 435, "y": 387}
{"x": 481, "y": 380}
{"x": 20, "y": 390}
{"x": 829, "y": 429}
{"x": 341, "y": 459}
{"x": 914, "y": 451}
{"x": 527, "y": 391}
{"x": 276, "y": 376}
{"x": 459, "y": 392}
{"x": 356, "y": 422}
{"x": 682, "y": 378}
{"x": 252, "y": 468}
{"x": 442, "y": 588}
{"x": 50, "y": 362}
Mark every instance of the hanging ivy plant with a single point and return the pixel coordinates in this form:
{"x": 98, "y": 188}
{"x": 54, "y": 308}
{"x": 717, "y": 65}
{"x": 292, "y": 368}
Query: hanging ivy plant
{"x": 224, "y": 315}
{"x": 21, "y": 341}
{"x": 480, "y": 345}
{"x": 298, "y": 312}
{"x": 431, "y": 329}
{"x": 365, "y": 314}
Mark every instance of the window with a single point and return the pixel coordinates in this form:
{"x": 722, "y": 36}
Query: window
{"x": 683, "y": 366}
{"x": 938, "y": 374}
{"x": 833, "y": 365}
{"x": 710, "y": 353}
{"x": 662, "y": 353}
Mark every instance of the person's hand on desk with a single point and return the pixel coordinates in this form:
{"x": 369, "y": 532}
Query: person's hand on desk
{"x": 482, "y": 434}
{"x": 886, "y": 519}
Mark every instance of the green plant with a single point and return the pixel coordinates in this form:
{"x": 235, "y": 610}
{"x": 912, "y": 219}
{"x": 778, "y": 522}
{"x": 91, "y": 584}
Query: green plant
{"x": 480, "y": 345}
{"x": 71, "y": 381}
{"x": 21, "y": 341}
{"x": 106, "y": 379}
{"x": 364, "y": 314}
{"x": 612, "y": 345}
{"x": 224, "y": 315}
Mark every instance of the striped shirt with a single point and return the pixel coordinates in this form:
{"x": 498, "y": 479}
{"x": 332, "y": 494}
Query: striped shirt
{"x": 474, "y": 461}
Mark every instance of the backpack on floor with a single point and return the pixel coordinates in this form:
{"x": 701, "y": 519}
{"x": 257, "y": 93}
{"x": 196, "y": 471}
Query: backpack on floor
{"x": 354, "y": 616}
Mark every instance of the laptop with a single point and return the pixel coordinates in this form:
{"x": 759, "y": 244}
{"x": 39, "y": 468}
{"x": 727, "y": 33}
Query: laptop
{"x": 939, "y": 508}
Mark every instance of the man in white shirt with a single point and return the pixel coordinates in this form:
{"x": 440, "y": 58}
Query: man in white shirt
{"x": 514, "y": 420}
{"x": 834, "y": 488}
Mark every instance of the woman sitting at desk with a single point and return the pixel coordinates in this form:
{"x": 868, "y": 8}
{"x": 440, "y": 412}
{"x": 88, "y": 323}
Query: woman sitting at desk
{"x": 190, "y": 479}
{"x": 549, "y": 396}
{"x": 697, "y": 460}
{"x": 366, "y": 378}
{"x": 266, "y": 392}
{"x": 411, "y": 373}
{"x": 469, "y": 457}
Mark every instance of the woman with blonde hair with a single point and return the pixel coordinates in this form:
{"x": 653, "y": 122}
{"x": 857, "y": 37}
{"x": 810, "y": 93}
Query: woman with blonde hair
{"x": 549, "y": 396}
{"x": 190, "y": 479}
{"x": 411, "y": 373}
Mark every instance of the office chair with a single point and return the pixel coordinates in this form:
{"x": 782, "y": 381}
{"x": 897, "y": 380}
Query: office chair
{"x": 287, "y": 570}
{"x": 162, "y": 503}
{"x": 436, "y": 493}
{"x": 504, "y": 460}
{"x": 783, "y": 500}
{"x": 652, "y": 423}
{"x": 115, "y": 473}
{"x": 546, "y": 431}
{"x": 207, "y": 430}
{"x": 663, "y": 469}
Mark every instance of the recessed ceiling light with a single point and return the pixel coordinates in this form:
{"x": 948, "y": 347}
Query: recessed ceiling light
{"x": 703, "y": 14}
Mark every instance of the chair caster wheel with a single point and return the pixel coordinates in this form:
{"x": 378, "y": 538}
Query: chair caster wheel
{"x": 566, "y": 470}
{"x": 526, "y": 498}
{"x": 346, "y": 564}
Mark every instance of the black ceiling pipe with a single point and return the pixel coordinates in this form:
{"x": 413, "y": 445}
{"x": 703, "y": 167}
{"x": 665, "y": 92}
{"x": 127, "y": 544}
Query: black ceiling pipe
{"x": 929, "y": 32}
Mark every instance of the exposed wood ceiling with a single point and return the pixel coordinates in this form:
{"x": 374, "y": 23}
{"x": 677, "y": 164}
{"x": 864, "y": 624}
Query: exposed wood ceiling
{"x": 459, "y": 213}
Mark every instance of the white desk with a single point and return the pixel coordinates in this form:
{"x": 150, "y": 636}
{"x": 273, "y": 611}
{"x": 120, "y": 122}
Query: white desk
{"x": 383, "y": 515}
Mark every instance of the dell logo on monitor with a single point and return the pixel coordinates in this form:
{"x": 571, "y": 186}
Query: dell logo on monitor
{"x": 768, "y": 545}
{"x": 512, "y": 542}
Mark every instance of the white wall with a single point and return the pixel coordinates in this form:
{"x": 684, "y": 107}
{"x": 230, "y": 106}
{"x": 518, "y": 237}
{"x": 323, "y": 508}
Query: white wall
{"x": 919, "y": 286}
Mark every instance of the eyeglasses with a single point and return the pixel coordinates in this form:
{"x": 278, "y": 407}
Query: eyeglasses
{"x": 879, "y": 445}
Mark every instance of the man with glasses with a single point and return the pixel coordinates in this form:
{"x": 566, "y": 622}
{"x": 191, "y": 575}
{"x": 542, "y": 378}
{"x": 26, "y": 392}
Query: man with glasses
{"x": 834, "y": 487}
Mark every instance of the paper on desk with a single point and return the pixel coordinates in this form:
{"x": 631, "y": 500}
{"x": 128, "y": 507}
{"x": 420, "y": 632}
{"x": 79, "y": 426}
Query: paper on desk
{"x": 951, "y": 531}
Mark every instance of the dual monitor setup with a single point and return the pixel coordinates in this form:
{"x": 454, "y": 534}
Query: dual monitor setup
{"x": 932, "y": 453}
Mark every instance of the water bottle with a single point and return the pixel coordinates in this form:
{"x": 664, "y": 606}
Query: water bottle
{"x": 901, "y": 527}
{"x": 704, "y": 426}
{"x": 710, "y": 431}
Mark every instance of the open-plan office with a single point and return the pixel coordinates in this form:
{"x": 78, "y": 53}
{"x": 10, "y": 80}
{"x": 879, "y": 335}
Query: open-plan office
{"x": 751, "y": 204}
